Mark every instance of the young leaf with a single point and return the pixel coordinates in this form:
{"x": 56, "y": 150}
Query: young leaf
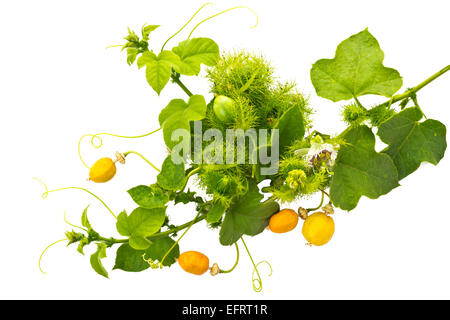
{"x": 149, "y": 197}
{"x": 410, "y": 142}
{"x": 140, "y": 224}
{"x": 194, "y": 52}
{"x": 159, "y": 68}
{"x": 146, "y": 30}
{"x": 84, "y": 219}
{"x": 360, "y": 170}
{"x": 291, "y": 126}
{"x": 131, "y": 55}
{"x": 96, "y": 262}
{"x": 83, "y": 242}
{"x": 186, "y": 197}
{"x": 171, "y": 176}
{"x": 357, "y": 69}
{"x": 247, "y": 215}
{"x": 178, "y": 114}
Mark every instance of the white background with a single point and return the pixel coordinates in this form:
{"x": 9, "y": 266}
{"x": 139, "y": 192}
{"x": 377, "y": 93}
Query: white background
{"x": 58, "y": 82}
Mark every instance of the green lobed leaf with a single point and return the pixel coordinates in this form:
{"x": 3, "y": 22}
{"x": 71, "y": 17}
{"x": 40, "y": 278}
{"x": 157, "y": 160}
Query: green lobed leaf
{"x": 149, "y": 197}
{"x": 357, "y": 69}
{"x": 178, "y": 114}
{"x": 247, "y": 215}
{"x": 131, "y": 260}
{"x": 410, "y": 142}
{"x": 360, "y": 170}
{"x": 158, "y": 68}
{"x": 171, "y": 176}
{"x": 159, "y": 248}
{"x": 140, "y": 224}
{"x": 193, "y": 53}
{"x": 146, "y": 30}
{"x": 291, "y": 126}
{"x": 96, "y": 262}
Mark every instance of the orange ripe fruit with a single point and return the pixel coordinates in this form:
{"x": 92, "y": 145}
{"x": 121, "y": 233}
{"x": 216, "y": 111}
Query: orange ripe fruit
{"x": 283, "y": 221}
{"x": 194, "y": 262}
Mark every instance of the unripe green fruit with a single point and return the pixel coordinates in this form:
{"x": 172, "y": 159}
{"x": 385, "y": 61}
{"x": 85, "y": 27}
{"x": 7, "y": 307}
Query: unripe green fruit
{"x": 224, "y": 108}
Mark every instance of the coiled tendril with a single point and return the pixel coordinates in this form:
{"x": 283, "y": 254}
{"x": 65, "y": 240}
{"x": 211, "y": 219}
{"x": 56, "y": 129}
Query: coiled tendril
{"x": 256, "y": 282}
{"x": 45, "y": 194}
{"x": 96, "y": 137}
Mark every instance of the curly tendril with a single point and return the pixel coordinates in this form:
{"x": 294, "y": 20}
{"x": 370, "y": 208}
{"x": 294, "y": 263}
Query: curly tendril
{"x": 222, "y": 12}
{"x": 256, "y": 282}
{"x": 45, "y": 194}
{"x": 152, "y": 263}
{"x": 73, "y": 225}
{"x": 45, "y": 250}
{"x": 258, "y": 286}
{"x": 96, "y": 137}
{"x": 185, "y": 25}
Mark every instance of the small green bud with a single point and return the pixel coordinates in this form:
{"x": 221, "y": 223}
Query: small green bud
{"x": 73, "y": 236}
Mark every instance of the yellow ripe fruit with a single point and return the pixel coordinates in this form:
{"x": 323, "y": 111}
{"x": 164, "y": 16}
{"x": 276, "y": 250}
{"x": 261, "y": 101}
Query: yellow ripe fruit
{"x": 283, "y": 221}
{"x": 318, "y": 228}
{"x": 103, "y": 170}
{"x": 194, "y": 262}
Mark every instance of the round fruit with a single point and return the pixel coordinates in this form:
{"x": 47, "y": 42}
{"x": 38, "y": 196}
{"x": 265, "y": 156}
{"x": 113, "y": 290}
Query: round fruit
{"x": 224, "y": 108}
{"x": 283, "y": 221}
{"x": 318, "y": 228}
{"x": 194, "y": 262}
{"x": 103, "y": 170}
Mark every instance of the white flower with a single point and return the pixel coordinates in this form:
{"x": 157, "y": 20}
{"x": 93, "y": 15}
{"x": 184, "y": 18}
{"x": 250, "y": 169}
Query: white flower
{"x": 319, "y": 153}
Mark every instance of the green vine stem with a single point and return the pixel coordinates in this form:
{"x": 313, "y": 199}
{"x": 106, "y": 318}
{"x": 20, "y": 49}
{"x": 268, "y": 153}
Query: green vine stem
{"x": 176, "y": 79}
{"x": 97, "y": 136}
{"x": 190, "y": 174}
{"x": 178, "y": 240}
{"x": 144, "y": 158}
{"x": 415, "y": 89}
{"x": 45, "y": 194}
{"x": 320, "y": 205}
{"x": 111, "y": 241}
{"x": 236, "y": 263}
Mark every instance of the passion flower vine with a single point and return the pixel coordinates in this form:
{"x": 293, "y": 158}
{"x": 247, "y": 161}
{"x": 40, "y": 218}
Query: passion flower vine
{"x": 256, "y": 129}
